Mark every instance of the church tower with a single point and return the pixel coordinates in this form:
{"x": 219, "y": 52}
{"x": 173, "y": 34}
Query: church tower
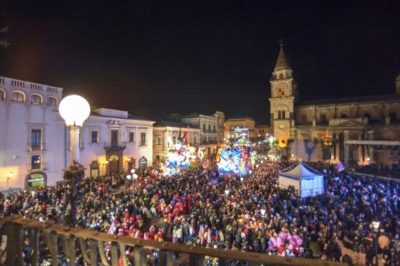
{"x": 283, "y": 95}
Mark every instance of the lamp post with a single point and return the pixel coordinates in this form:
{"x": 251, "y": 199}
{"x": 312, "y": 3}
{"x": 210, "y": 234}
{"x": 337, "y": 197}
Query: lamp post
{"x": 74, "y": 109}
{"x": 375, "y": 226}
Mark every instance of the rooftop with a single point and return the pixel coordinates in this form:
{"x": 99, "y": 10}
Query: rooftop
{"x": 358, "y": 99}
{"x": 172, "y": 124}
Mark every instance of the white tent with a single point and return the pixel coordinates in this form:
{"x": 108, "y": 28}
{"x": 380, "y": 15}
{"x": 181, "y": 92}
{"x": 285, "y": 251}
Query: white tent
{"x": 305, "y": 180}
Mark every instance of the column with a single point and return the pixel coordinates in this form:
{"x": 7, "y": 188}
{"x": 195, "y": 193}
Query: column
{"x": 314, "y": 119}
{"x": 294, "y": 142}
{"x": 337, "y": 147}
{"x": 359, "y": 151}
{"x": 346, "y": 146}
{"x": 370, "y": 147}
{"x": 74, "y": 144}
{"x": 292, "y": 124}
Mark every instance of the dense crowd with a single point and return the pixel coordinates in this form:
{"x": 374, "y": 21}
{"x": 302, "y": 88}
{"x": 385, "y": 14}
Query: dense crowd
{"x": 200, "y": 207}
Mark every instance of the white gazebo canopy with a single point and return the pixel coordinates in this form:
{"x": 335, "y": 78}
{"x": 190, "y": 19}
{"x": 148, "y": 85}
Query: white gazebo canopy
{"x": 305, "y": 180}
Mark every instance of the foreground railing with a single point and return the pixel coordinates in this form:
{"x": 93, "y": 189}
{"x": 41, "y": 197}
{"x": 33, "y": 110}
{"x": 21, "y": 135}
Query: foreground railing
{"x": 60, "y": 241}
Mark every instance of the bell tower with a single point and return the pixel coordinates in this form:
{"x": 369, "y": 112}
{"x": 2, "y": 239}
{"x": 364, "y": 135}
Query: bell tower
{"x": 283, "y": 95}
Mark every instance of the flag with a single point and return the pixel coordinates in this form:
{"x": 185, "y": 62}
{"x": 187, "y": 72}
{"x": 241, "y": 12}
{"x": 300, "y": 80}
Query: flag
{"x": 340, "y": 166}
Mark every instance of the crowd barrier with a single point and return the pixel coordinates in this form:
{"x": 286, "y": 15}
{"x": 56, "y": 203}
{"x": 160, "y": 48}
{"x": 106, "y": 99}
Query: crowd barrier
{"x": 70, "y": 243}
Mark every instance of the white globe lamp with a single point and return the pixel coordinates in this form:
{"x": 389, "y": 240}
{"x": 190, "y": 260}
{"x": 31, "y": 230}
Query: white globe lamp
{"x": 74, "y": 109}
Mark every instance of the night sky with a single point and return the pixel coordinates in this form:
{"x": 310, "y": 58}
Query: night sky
{"x": 158, "y": 57}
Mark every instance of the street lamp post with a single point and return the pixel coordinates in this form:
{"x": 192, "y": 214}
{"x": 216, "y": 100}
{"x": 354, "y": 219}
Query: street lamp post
{"x": 74, "y": 109}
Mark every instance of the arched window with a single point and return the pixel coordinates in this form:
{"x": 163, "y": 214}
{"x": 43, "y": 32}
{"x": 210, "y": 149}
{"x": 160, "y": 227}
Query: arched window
{"x": 280, "y": 76}
{"x": 36, "y": 99}
{"x": 2, "y": 95}
{"x": 51, "y": 101}
{"x": 18, "y": 96}
{"x": 279, "y": 115}
{"x": 283, "y": 114}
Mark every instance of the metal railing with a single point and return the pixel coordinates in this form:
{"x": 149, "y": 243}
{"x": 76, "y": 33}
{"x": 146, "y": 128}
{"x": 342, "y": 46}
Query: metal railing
{"x": 36, "y": 146}
{"x": 40, "y": 166}
{"x": 71, "y": 243}
{"x": 114, "y": 144}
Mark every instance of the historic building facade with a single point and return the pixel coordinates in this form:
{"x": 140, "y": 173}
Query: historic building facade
{"x": 114, "y": 141}
{"x": 167, "y": 134}
{"x": 240, "y": 122}
{"x": 360, "y": 130}
{"x": 211, "y": 127}
{"x": 34, "y": 146}
{"x": 32, "y": 135}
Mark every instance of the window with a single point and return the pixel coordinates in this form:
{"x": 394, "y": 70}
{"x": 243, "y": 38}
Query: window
{"x": 94, "y": 136}
{"x": 209, "y": 128}
{"x": 283, "y": 114}
{"x": 36, "y": 138}
{"x": 142, "y": 139}
{"x": 51, "y": 101}
{"x": 204, "y": 128}
{"x": 36, "y": 99}
{"x": 114, "y": 138}
{"x": 2, "y": 95}
{"x": 18, "y": 96}
{"x": 214, "y": 128}
{"x": 158, "y": 141}
{"x": 174, "y": 140}
{"x": 131, "y": 137}
{"x": 36, "y": 162}
{"x": 195, "y": 140}
{"x": 323, "y": 119}
{"x": 393, "y": 117}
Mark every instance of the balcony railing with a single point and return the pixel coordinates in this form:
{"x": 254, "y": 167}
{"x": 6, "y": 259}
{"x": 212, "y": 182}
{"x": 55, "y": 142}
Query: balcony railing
{"x": 209, "y": 131}
{"x": 42, "y": 167}
{"x": 60, "y": 241}
{"x": 115, "y": 144}
{"x": 36, "y": 147}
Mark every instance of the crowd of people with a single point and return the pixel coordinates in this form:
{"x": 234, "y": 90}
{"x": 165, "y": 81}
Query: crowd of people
{"x": 201, "y": 207}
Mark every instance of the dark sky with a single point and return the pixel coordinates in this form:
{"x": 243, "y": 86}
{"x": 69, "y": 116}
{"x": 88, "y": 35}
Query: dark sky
{"x": 156, "y": 57}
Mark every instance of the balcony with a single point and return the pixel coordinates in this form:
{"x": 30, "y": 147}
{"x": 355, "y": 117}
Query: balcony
{"x": 209, "y": 131}
{"x": 36, "y": 147}
{"x": 56, "y": 241}
{"x": 43, "y": 167}
{"x": 115, "y": 144}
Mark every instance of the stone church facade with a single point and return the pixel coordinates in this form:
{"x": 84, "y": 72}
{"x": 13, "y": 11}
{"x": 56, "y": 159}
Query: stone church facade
{"x": 360, "y": 130}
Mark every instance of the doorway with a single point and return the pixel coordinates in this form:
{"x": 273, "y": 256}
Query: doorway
{"x": 113, "y": 164}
